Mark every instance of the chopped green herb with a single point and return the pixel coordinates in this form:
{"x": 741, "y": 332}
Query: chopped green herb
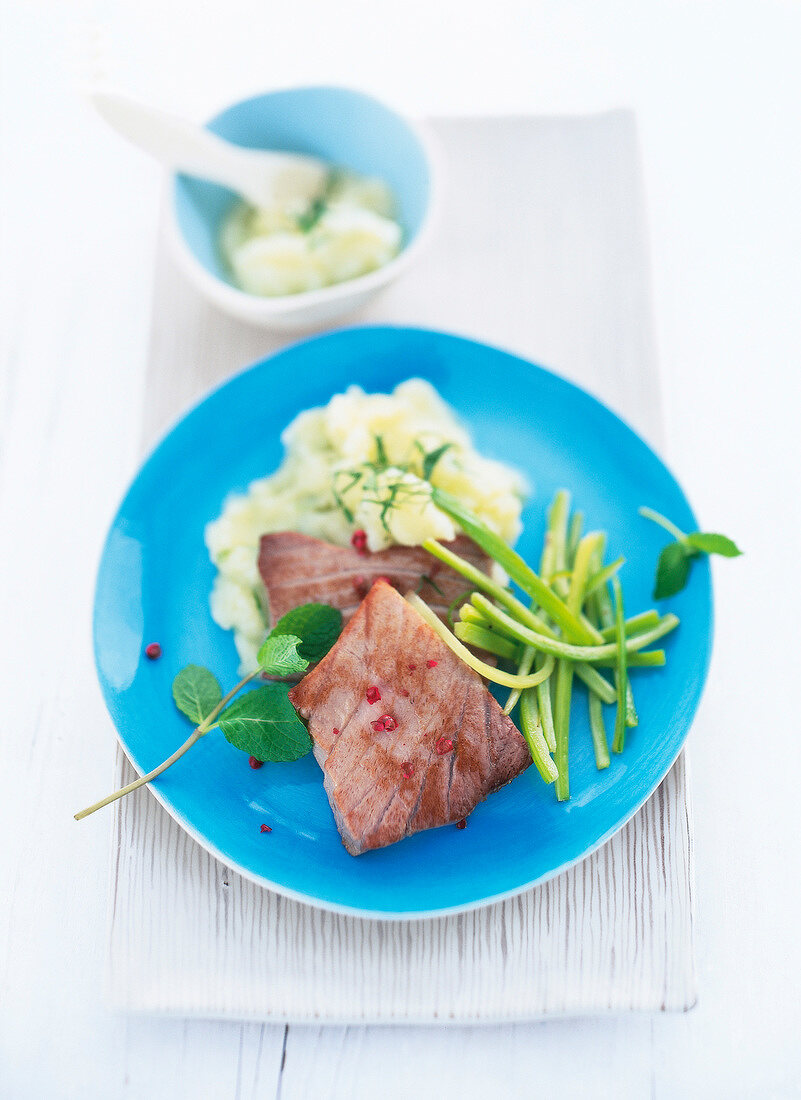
{"x": 311, "y": 216}
{"x": 432, "y": 458}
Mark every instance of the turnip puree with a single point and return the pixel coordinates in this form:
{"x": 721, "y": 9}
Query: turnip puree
{"x": 295, "y": 246}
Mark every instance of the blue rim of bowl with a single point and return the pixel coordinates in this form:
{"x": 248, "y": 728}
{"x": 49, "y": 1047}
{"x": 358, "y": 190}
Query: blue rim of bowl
{"x": 355, "y": 911}
{"x": 240, "y": 301}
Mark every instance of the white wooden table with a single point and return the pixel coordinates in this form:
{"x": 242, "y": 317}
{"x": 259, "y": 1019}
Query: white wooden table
{"x": 718, "y": 88}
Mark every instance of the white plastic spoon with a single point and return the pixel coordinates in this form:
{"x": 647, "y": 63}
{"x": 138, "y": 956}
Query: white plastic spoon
{"x": 260, "y": 176}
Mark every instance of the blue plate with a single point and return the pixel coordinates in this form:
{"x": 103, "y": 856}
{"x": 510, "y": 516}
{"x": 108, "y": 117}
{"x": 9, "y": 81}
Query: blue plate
{"x": 154, "y": 584}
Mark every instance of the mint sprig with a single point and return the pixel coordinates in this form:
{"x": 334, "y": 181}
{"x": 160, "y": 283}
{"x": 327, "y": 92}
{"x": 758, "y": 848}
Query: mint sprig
{"x": 262, "y": 723}
{"x": 675, "y": 560}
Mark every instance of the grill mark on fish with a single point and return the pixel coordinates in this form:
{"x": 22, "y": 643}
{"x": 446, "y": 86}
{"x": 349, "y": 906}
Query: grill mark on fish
{"x": 372, "y": 805}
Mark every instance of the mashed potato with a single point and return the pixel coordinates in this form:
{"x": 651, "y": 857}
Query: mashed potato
{"x": 356, "y": 463}
{"x": 290, "y": 248}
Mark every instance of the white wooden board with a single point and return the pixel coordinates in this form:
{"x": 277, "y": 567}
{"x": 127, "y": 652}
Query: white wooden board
{"x": 541, "y": 250}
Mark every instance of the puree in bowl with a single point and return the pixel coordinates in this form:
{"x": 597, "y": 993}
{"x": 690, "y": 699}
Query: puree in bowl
{"x": 295, "y": 246}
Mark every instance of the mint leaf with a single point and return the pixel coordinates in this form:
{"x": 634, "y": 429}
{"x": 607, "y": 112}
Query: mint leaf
{"x": 316, "y": 624}
{"x": 263, "y": 723}
{"x": 710, "y": 543}
{"x": 279, "y": 656}
{"x": 672, "y": 570}
{"x": 196, "y": 692}
{"x": 432, "y": 458}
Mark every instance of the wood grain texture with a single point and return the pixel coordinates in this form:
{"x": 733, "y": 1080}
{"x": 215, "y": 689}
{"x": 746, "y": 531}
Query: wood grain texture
{"x": 563, "y": 239}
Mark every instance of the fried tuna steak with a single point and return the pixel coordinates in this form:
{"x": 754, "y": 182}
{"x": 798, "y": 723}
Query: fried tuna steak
{"x": 407, "y": 735}
{"x": 298, "y": 569}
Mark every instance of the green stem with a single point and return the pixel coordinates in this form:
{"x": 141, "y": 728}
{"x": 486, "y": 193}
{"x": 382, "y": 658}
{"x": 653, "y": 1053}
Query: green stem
{"x": 558, "y": 518}
{"x": 488, "y": 640}
{"x": 635, "y": 625}
{"x": 545, "y": 708}
{"x": 603, "y": 576}
{"x": 663, "y": 521}
{"x": 592, "y": 653}
{"x": 470, "y": 614}
{"x": 606, "y": 618}
{"x": 554, "y": 549}
{"x": 561, "y": 722}
{"x": 531, "y": 728}
{"x": 195, "y": 735}
{"x": 654, "y": 658}
{"x": 523, "y": 669}
{"x": 494, "y": 675}
{"x": 486, "y": 584}
{"x": 621, "y": 672}
{"x": 521, "y": 573}
{"x": 595, "y": 682}
{"x": 598, "y": 730}
{"x": 574, "y": 536}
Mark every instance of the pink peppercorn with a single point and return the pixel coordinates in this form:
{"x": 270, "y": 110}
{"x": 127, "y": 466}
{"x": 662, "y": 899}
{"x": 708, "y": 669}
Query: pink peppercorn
{"x": 255, "y": 762}
{"x": 462, "y": 824}
{"x": 432, "y": 664}
{"x": 373, "y": 695}
{"x": 153, "y": 651}
{"x": 385, "y": 724}
{"x": 407, "y": 769}
{"x": 358, "y": 541}
{"x": 266, "y": 829}
{"x": 443, "y": 745}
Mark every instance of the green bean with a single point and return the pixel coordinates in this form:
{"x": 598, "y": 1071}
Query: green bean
{"x": 521, "y": 573}
{"x": 487, "y": 584}
{"x": 531, "y": 728}
{"x": 606, "y": 617}
{"x": 619, "y": 738}
{"x": 591, "y": 653}
{"x": 598, "y": 730}
{"x": 544, "y": 706}
{"x": 595, "y": 682}
{"x": 603, "y": 576}
{"x": 585, "y": 551}
{"x": 470, "y": 614}
{"x": 488, "y": 640}
{"x": 561, "y": 722}
{"x": 652, "y": 658}
{"x": 494, "y": 675}
{"x": 574, "y": 536}
{"x": 523, "y": 669}
{"x": 635, "y": 625}
{"x": 558, "y": 517}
